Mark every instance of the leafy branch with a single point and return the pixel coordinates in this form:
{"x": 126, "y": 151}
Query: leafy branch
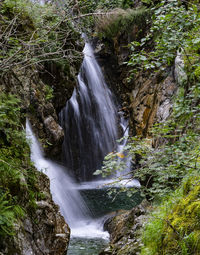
{"x": 171, "y": 30}
{"x": 26, "y": 45}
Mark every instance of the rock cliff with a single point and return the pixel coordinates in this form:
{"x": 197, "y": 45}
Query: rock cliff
{"x": 147, "y": 98}
{"x": 43, "y": 230}
{"x": 36, "y": 89}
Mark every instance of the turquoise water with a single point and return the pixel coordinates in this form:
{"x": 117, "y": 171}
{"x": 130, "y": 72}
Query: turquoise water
{"x": 101, "y": 202}
{"x": 85, "y": 246}
{"x": 88, "y": 240}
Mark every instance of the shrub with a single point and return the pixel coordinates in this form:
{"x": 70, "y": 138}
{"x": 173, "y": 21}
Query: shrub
{"x": 34, "y": 34}
{"x": 118, "y": 20}
{"x": 174, "y": 227}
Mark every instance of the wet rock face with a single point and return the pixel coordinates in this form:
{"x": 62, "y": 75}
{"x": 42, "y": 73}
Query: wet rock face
{"x": 41, "y": 102}
{"x": 43, "y": 231}
{"x": 54, "y": 132}
{"x": 151, "y": 101}
{"x": 147, "y": 98}
{"x": 124, "y": 231}
{"x": 112, "y": 67}
{"x": 51, "y": 234}
{"x": 62, "y": 81}
{"x": 35, "y": 101}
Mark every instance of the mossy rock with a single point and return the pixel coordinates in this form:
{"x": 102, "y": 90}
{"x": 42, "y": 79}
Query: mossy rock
{"x": 181, "y": 233}
{"x": 175, "y": 226}
{"x": 182, "y": 228}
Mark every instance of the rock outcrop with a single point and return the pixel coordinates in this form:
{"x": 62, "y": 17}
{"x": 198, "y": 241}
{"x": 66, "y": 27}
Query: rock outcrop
{"x": 124, "y": 231}
{"x": 41, "y": 102}
{"x": 145, "y": 100}
{"x": 43, "y": 229}
{"x": 151, "y": 101}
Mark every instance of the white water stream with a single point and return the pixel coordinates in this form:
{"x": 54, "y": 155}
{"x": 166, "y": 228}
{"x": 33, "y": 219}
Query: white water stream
{"x": 65, "y": 193}
{"x": 89, "y": 120}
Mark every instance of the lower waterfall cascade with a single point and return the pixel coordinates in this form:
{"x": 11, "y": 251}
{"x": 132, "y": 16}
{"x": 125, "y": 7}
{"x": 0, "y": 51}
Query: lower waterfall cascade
{"x": 65, "y": 193}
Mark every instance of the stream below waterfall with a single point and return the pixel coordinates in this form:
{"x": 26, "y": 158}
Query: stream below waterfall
{"x": 90, "y": 121}
{"x": 87, "y": 235}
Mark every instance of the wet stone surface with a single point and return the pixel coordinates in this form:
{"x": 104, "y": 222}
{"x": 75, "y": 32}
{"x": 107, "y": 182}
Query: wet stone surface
{"x": 84, "y": 246}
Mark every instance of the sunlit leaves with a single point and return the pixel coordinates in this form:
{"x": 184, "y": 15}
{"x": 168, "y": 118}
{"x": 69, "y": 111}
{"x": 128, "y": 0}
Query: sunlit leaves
{"x": 172, "y": 26}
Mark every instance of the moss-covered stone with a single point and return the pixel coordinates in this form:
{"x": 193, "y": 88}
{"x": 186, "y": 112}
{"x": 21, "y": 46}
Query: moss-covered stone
{"x": 182, "y": 230}
{"x": 178, "y": 223}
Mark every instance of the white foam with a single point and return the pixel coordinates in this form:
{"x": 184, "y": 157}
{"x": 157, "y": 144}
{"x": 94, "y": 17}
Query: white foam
{"x": 65, "y": 193}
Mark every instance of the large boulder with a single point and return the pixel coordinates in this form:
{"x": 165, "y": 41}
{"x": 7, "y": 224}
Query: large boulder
{"x": 124, "y": 230}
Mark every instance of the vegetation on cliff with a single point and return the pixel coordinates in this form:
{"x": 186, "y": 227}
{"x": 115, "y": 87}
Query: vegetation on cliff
{"x": 167, "y": 160}
{"x": 174, "y": 225}
{"x": 119, "y": 20}
{"x": 40, "y": 55}
{"x": 34, "y": 34}
{"x": 36, "y": 42}
{"x": 17, "y": 175}
{"x": 174, "y": 228}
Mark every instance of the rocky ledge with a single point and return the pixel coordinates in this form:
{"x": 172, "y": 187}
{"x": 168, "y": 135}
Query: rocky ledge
{"x": 43, "y": 230}
{"x": 124, "y": 229}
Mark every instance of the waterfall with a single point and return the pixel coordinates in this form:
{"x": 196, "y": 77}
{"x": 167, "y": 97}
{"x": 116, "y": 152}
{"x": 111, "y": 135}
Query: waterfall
{"x": 89, "y": 120}
{"x": 65, "y": 193}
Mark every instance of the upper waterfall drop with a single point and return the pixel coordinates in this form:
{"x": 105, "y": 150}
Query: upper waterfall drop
{"x": 89, "y": 120}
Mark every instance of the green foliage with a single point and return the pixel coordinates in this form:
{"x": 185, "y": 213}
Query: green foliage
{"x": 173, "y": 227}
{"x": 33, "y": 34}
{"x": 17, "y": 176}
{"x": 87, "y": 22}
{"x": 9, "y": 118}
{"x": 91, "y": 6}
{"x": 106, "y": 4}
{"x": 120, "y": 20}
{"x": 7, "y": 217}
{"x": 172, "y": 28}
{"x": 8, "y": 214}
{"x": 162, "y": 169}
{"x": 48, "y": 92}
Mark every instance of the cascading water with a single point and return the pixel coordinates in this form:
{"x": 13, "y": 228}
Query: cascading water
{"x": 90, "y": 124}
{"x": 65, "y": 193}
{"x": 89, "y": 120}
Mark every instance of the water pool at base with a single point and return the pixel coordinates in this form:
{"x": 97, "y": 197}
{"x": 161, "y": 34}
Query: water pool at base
{"x": 85, "y": 246}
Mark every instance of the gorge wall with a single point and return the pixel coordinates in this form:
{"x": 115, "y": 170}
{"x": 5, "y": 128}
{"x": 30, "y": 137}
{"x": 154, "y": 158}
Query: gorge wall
{"x": 43, "y": 91}
{"x": 42, "y": 230}
{"x": 31, "y": 222}
{"x": 147, "y": 98}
